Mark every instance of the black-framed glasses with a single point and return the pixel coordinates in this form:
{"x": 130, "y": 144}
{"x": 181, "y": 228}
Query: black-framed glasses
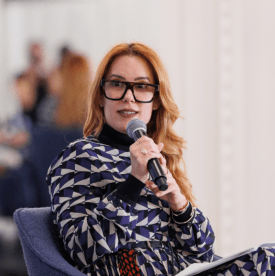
{"x": 115, "y": 90}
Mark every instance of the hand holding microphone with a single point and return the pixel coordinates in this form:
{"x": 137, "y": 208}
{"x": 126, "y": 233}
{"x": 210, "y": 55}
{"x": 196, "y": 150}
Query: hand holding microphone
{"x": 136, "y": 129}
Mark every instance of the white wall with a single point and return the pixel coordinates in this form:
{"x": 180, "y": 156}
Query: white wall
{"x": 260, "y": 101}
{"x": 221, "y": 62}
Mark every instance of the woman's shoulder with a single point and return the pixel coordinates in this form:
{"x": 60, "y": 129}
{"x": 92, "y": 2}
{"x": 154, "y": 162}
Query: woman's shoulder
{"x": 87, "y": 147}
{"x": 73, "y": 150}
{"x": 84, "y": 142}
{"x": 90, "y": 145}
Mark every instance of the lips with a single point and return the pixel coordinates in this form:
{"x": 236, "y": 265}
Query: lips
{"x": 127, "y": 111}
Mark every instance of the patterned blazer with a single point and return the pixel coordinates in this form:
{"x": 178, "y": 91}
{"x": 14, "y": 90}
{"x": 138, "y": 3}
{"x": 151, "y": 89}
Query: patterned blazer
{"x": 99, "y": 208}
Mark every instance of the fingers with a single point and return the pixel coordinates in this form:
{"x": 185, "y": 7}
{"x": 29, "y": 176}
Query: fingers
{"x": 141, "y": 152}
{"x": 146, "y": 142}
{"x": 146, "y": 146}
{"x": 172, "y": 186}
{"x": 152, "y": 186}
{"x": 172, "y": 195}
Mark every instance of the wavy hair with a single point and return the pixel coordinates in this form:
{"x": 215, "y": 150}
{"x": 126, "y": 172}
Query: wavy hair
{"x": 160, "y": 127}
{"x": 76, "y": 83}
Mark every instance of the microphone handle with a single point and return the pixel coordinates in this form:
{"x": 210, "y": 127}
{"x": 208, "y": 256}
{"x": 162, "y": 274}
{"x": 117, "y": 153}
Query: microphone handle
{"x": 138, "y": 134}
{"x": 157, "y": 174}
{"x": 153, "y": 166}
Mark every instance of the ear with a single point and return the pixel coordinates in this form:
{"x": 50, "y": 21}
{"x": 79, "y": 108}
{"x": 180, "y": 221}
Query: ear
{"x": 156, "y": 103}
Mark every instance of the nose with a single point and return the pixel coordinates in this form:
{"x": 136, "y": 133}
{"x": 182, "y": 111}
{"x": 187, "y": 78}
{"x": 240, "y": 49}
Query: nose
{"x": 129, "y": 96}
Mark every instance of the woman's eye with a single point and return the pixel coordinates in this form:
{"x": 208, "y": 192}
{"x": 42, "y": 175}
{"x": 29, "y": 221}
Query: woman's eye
{"x": 141, "y": 86}
{"x": 116, "y": 83}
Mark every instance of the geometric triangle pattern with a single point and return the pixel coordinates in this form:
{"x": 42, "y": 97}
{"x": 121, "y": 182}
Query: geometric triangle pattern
{"x": 259, "y": 262}
{"x": 94, "y": 224}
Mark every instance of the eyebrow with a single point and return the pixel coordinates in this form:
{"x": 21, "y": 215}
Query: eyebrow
{"x": 117, "y": 76}
{"x": 142, "y": 78}
{"x": 120, "y": 77}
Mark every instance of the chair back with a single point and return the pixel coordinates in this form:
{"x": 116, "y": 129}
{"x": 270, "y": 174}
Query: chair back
{"x": 43, "y": 251}
{"x": 46, "y": 144}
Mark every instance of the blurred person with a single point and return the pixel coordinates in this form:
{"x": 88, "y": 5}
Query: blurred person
{"x": 22, "y": 143}
{"x": 31, "y": 84}
{"x": 18, "y": 177}
{"x": 25, "y": 94}
{"x": 112, "y": 219}
{"x": 14, "y": 193}
{"x": 16, "y": 189}
{"x": 16, "y": 174}
{"x": 76, "y": 78}
{"x": 66, "y": 121}
{"x": 14, "y": 136}
{"x": 64, "y": 51}
{"x": 36, "y": 57}
{"x": 48, "y": 106}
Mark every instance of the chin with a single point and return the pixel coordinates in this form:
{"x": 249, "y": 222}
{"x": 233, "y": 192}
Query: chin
{"x": 121, "y": 129}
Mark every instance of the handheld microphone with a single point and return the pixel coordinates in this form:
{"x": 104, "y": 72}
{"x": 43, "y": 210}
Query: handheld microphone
{"x": 136, "y": 128}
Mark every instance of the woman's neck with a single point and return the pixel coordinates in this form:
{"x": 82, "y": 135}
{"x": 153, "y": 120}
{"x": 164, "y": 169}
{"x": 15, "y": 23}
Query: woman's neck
{"x": 115, "y": 139}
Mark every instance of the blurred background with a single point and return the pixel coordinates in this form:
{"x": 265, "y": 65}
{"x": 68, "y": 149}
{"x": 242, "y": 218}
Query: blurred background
{"x": 221, "y": 61}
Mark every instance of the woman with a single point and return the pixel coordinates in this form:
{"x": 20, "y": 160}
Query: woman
{"x": 112, "y": 219}
{"x": 62, "y": 119}
{"x": 68, "y": 88}
{"x": 32, "y": 84}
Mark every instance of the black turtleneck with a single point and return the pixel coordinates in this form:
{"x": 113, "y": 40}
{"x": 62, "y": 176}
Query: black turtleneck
{"x": 115, "y": 139}
{"x": 129, "y": 190}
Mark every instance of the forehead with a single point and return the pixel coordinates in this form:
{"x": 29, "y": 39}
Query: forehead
{"x": 130, "y": 66}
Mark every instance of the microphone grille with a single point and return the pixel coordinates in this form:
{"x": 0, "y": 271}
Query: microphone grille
{"x": 134, "y": 125}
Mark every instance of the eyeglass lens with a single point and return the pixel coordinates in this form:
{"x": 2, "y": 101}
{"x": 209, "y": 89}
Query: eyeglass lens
{"x": 142, "y": 92}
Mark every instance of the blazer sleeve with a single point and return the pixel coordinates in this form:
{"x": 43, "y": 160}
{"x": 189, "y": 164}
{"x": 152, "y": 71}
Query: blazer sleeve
{"x": 194, "y": 237}
{"x": 95, "y": 210}
{"x": 90, "y": 219}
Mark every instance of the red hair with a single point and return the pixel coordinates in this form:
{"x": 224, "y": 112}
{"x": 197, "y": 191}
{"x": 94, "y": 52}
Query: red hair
{"x": 160, "y": 127}
{"x": 76, "y": 83}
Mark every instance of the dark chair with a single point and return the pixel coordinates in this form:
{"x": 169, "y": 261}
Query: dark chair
{"x": 26, "y": 186}
{"x": 43, "y": 251}
{"x": 46, "y": 144}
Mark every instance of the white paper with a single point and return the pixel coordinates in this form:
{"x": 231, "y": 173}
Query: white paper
{"x": 197, "y": 268}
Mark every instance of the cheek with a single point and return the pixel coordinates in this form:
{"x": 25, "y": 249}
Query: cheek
{"x": 109, "y": 110}
{"x": 147, "y": 113}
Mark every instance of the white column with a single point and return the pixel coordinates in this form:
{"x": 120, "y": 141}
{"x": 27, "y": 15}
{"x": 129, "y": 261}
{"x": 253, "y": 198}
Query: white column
{"x": 260, "y": 86}
{"x": 226, "y": 127}
{"x": 234, "y": 224}
{"x": 200, "y": 105}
